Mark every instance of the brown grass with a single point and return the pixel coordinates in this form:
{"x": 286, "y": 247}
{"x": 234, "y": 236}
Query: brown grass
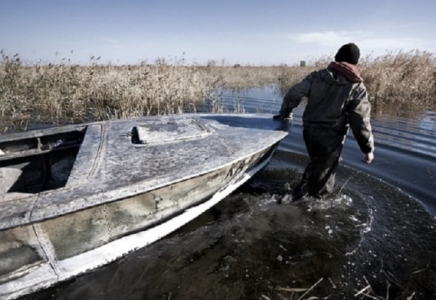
{"x": 72, "y": 93}
{"x": 65, "y": 93}
{"x": 401, "y": 77}
{"x": 397, "y": 77}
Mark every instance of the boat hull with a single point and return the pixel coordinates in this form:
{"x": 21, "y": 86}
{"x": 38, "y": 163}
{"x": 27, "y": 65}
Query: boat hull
{"x": 52, "y": 249}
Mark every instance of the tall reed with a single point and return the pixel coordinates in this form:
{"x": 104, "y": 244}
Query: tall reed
{"x": 72, "y": 93}
{"x": 65, "y": 93}
{"x": 397, "y": 77}
{"x": 405, "y": 77}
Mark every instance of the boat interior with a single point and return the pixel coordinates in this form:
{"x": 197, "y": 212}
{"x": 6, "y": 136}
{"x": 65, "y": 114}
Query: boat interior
{"x": 40, "y": 163}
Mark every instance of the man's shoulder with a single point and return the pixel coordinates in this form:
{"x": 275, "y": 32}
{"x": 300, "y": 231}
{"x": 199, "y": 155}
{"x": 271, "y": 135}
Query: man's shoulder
{"x": 326, "y": 72}
{"x": 359, "y": 86}
{"x": 317, "y": 74}
{"x": 321, "y": 72}
{"x": 359, "y": 91}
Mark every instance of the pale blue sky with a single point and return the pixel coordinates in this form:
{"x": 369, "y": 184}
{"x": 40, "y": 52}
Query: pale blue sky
{"x": 258, "y": 32}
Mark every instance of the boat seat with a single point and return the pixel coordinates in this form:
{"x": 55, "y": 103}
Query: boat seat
{"x": 8, "y": 178}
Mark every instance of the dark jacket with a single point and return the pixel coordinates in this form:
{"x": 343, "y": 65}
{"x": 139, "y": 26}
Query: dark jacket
{"x": 333, "y": 102}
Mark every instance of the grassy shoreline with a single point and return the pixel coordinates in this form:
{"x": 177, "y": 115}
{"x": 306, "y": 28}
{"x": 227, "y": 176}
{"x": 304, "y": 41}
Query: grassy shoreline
{"x": 66, "y": 93}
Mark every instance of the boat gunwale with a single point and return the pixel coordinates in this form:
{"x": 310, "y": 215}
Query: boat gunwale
{"x": 131, "y": 189}
{"x": 125, "y": 195}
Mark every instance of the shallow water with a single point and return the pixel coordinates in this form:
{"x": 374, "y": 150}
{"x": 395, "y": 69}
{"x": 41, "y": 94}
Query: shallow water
{"x": 375, "y": 234}
{"x": 405, "y": 154}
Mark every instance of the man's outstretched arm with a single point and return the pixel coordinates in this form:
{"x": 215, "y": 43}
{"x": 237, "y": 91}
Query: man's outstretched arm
{"x": 293, "y": 97}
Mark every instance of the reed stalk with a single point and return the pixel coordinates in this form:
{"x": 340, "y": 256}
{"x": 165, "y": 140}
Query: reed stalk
{"x": 69, "y": 93}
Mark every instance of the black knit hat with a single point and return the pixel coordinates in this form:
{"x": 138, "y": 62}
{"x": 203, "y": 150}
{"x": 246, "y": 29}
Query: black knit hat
{"x": 349, "y": 53}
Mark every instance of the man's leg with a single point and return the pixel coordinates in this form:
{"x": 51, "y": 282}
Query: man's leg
{"x": 324, "y": 147}
{"x": 321, "y": 180}
{"x": 301, "y": 189}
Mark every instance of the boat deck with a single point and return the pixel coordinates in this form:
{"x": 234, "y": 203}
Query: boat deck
{"x": 113, "y": 163}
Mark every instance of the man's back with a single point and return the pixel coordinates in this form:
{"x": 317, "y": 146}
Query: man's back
{"x": 328, "y": 99}
{"x": 335, "y": 100}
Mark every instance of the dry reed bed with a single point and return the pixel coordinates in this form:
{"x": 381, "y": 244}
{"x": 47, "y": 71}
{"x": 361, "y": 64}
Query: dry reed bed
{"x": 403, "y": 77}
{"x": 397, "y": 77}
{"x": 71, "y": 93}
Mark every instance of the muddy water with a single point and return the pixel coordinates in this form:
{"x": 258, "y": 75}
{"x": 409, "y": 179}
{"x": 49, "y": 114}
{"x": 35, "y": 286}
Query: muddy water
{"x": 375, "y": 235}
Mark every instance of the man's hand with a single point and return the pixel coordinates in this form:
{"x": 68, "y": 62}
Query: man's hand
{"x": 368, "y": 158}
{"x": 281, "y": 117}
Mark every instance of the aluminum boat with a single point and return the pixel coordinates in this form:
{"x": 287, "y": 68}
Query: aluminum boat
{"x": 77, "y": 197}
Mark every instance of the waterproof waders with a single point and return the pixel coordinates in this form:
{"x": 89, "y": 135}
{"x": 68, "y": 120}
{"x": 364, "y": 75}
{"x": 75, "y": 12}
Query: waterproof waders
{"x": 324, "y": 147}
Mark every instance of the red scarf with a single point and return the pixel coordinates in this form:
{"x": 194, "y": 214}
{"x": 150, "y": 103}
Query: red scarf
{"x": 347, "y": 70}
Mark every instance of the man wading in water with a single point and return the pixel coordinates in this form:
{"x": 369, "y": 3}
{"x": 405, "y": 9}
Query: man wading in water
{"x": 337, "y": 99}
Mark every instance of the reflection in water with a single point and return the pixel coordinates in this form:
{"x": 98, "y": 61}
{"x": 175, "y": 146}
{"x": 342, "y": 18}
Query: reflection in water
{"x": 369, "y": 236}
